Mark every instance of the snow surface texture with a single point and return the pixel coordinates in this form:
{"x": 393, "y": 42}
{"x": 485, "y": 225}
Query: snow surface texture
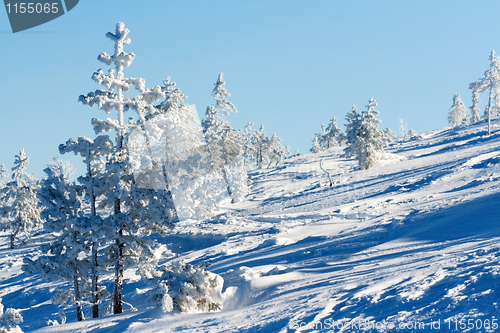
{"x": 412, "y": 242}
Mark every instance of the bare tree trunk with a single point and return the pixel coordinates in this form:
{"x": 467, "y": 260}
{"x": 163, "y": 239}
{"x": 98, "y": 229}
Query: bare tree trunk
{"x": 76, "y": 284}
{"x": 118, "y": 285}
{"x": 14, "y": 235}
{"x": 95, "y": 287}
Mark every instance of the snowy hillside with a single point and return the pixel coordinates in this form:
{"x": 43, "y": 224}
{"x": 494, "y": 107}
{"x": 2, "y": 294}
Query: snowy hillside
{"x": 415, "y": 241}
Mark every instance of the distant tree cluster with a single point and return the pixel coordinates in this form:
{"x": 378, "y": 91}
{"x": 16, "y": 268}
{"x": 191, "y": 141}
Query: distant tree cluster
{"x": 363, "y": 139}
{"x": 261, "y": 150}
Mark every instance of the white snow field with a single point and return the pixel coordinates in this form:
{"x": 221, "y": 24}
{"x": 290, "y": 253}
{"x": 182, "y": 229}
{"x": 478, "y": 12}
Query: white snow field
{"x": 413, "y": 245}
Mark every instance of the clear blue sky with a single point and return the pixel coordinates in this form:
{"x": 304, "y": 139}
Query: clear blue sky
{"x": 289, "y": 65}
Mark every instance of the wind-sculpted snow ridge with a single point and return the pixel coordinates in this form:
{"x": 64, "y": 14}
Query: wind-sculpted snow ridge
{"x": 412, "y": 245}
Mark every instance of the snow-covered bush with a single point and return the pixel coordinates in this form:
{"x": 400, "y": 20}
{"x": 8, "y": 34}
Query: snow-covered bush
{"x": 187, "y": 288}
{"x": 9, "y": 320}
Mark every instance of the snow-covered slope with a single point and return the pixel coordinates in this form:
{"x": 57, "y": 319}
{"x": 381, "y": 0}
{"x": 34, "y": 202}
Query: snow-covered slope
{"x": 415, "y": 241}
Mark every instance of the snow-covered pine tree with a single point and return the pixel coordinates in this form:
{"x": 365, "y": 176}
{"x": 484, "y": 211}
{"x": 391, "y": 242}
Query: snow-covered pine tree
{"x": 277, "y": 152}
{"x": 10, "y": 319}
{"x": 322, "y": 137}
{"x": 475, "y": 108}
{"x": 458, "y": 112}
{"x": 65, "y": 258}
{"x": 194, "y": 183}
{"x": 3, "y": 173}
{"x": 248, "y": 147}
{"x": 128, "y": 247}
{"x": 490, "y": 82}
{"x": 413, "y": 135}
{"x": 333, "y": 135}
{"x": 316, "y": 148}
{"x": 403, "y": 129}
{"x": 364, "y": 139}
{"x": 390, "y": 135}
{"x": 224, "y": 143}
{"x": 19, "y": 210}
{"x": 93, "y": 153}
{"x": 261, "y": 142}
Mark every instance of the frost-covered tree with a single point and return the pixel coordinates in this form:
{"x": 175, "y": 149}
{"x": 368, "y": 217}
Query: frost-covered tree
{"x": 93, "y": 153}
{"x": 64, "y": 258}
{"x": 3, "y": 174}
{"x": 316, "y": 148}
{"x": 248, "y": 147}
{"x": 224, "y": 143}
{"x": 491, "y": 83}
{"x": 126, "y": 247}
{"x": 19, "y": 210}
{"x": 261, "y": 142}
{"x": 390, "y": 135}
{"x": 332, "y": 135}
{"x": 277, "y": 152}
{"x": 364, "y": 139}
{"x": 475, "y": 108}
{"x": 458, "y": 112}
{"x": 403, "y": 129}
{"x": 193, "y": 179}
{"x": 10, "y": 319}
{"x": 413, "y": 135}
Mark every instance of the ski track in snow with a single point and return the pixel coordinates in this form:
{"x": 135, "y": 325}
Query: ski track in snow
{"x": 414, "y": 240}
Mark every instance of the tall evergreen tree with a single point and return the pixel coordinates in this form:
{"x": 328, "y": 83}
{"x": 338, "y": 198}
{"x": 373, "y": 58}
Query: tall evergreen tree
{"x": 92, "y": 186}
{"x": 225, "y": 144}
{"x": 65, "y": 258}
{"x": 128, "y": 247}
